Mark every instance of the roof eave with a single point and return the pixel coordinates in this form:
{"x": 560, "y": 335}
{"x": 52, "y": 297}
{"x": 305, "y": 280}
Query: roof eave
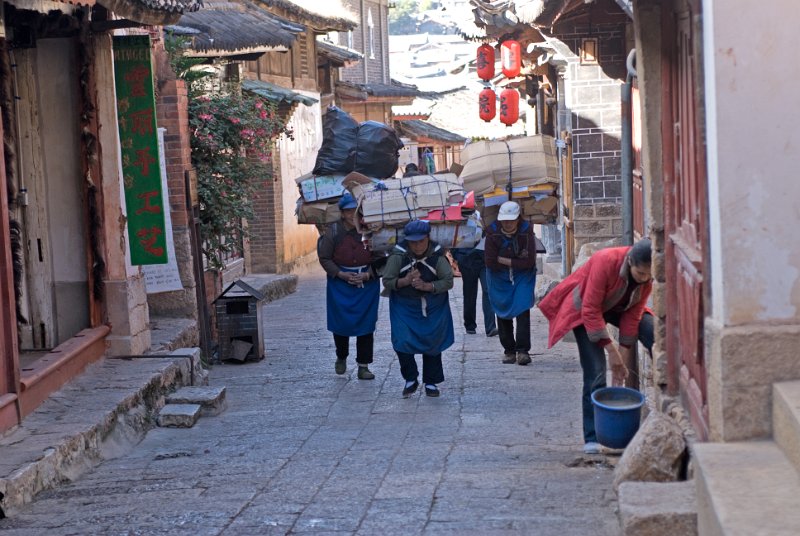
{"x": 221, "y": 53}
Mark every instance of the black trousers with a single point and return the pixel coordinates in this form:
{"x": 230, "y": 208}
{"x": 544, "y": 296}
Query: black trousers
{"x": 593, "y": 363}
{"x": 473, "y": 271}
{"x": 522, "y": 341}
{"x": 364, "y": 344}
{"x": 432, "y": 371}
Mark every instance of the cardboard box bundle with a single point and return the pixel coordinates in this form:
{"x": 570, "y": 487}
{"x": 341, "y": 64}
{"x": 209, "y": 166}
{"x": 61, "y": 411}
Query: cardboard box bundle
{"x": 462, "y": 234}
{"x": 319, "y": 196}
{"x": 394, "y": 202}
{"x": 526, "y": 161}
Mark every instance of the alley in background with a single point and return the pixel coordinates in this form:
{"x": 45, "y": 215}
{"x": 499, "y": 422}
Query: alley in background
{"x": 302, "y": 450}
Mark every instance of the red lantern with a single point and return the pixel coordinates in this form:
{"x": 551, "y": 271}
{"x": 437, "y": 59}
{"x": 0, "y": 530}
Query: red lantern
{"x": 487, "y": 101}
{"x": 511, "y": 58}
{"x": 485, "y": 62}
{"x": 509, "y": 106}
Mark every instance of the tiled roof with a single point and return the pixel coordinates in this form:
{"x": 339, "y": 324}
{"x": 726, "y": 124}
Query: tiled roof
{"x": 276, "y": 93}
{"x": 323, "y": 15}
{"x": 155, "y": 12}
{"x": 395, "y": 89}
{"x": 338, "y": 54}
{"x": 223, "y": 26}
{"x": 420, "y": 129}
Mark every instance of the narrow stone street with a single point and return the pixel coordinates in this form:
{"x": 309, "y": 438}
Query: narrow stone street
{"x": 301, "y": 450}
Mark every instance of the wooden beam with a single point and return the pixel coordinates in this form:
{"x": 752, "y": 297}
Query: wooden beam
{"x": 100, "y": 26}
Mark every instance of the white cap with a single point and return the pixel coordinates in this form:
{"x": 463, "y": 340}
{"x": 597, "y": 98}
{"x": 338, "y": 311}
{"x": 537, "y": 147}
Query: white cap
{"x": 508, "y": 211}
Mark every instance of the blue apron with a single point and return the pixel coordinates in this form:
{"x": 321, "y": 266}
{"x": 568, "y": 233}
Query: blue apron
{"x": 352, "y": 310}
{"x": 511, "y": 291}
{"x": 421, "y": 325}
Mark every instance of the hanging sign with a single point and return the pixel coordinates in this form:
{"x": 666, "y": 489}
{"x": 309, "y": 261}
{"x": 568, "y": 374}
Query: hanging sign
{"x": 136, "y": 112}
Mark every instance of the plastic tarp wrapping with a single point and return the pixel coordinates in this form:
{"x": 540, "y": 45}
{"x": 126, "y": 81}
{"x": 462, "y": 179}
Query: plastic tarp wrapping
{"x": 527, "y": 161}
{"x": 393, "y": 202}
{"x": 339, "y": 135}
{"x": 377, "y": 150}
{"x": 464, "y": 234}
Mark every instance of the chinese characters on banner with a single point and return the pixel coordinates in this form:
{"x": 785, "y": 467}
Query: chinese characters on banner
{"x": 138, "y": 138}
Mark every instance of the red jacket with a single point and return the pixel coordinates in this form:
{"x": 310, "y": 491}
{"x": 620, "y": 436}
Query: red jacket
{"x": 590, "y": 291}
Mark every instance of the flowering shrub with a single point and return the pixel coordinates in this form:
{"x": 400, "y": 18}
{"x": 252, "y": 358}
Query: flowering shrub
{"x": 232, "y": 138}
{"x": 232, "y": 141}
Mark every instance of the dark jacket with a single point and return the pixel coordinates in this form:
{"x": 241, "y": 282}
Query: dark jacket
{"x": 520, "y": 248}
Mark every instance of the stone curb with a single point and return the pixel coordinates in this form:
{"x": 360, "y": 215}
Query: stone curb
{"x": 135, "y": 389}
{"x": 273, "y": 286}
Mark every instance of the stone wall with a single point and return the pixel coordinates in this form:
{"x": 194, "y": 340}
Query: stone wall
{"x": 597, "y": 223}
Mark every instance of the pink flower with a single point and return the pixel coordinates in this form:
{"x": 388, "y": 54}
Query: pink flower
{"x": 234, "y": 120}
{"x": 206, "y": 117}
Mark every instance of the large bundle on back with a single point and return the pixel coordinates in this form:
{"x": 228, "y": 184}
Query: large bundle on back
{"x": 525, "y": 169}
{"x": 388, "y": 205}
{"x": 370, "y": 148}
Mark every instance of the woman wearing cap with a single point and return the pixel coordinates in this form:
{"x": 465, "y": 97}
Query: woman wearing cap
{"x": 352, "y": 292}
{"x": 612, "y": 287}
{"x": 511, "y": 274}
{"x": 419, "y": 276}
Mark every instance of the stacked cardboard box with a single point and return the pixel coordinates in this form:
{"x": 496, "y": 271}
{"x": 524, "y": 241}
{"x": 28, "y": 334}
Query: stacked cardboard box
{"x": 319, "y": 196}
{"x": 395, "y": 202}
{"x": 449, "y": 234}
{"x": 526, "y": 166}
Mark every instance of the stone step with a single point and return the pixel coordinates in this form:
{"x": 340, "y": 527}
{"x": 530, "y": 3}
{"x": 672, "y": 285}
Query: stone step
{"x": 211, "y": 399}
{"x": 746, "y": 489}
{"x": 786, "y": 419}
{"x": 658, "y": 508}
{"x": 179, "y": 415}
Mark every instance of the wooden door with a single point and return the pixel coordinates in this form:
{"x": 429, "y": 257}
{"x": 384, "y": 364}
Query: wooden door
{"x": 685, "y": 215}
{"x": 9, "y": 355}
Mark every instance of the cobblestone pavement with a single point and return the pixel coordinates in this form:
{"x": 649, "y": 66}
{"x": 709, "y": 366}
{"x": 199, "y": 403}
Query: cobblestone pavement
{"x": 301, "y": 450}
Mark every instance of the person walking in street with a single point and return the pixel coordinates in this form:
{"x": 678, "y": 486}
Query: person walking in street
{"x": 353, "y": 290}
{"x": 612, "y": 287}
{"x": 472, "y": 266}
{"x": 418, "y": 277}
{"x": 511, "y": 274}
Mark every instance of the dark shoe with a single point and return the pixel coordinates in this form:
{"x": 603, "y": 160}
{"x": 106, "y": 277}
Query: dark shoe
{"x": 365, "y": 374}
{"x": 341, "y": 366}
{"x": 431, "y": 390}
{"x": 470, "y": 332}
{"x": 509, "y": 359}
{"x": 494, "y": 333}
{"x": 523, "y": 358}
{"x": 408, "y": 391}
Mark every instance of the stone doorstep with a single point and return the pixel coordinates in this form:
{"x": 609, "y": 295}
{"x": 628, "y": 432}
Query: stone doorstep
{"x": 786, "y": 419}
{"x": 179, "y": 415}
{"x": 48, "y": 465}
{"x": 211, "y": 400}
{"x": 658, "y": 508}
{"x": 746, "y": 488}
{"x": 272, "y": 286}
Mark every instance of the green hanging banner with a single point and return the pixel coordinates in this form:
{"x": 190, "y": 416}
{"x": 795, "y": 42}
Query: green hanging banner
{"x": 136, "y": 112}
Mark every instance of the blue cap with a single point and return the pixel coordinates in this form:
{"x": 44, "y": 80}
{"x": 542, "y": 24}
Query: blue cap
{"x": 416, "y": 230}
{"x": 347, "y": 201}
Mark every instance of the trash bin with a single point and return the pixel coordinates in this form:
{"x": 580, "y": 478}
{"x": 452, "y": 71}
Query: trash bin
{"x": 239, "y": 323}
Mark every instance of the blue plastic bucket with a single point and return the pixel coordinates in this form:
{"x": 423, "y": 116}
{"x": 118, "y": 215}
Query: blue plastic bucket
{"x": 617, "y": 413}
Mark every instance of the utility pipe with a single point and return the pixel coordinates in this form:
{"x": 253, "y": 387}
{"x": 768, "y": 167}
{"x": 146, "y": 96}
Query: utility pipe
{"x": 627, "y": 153}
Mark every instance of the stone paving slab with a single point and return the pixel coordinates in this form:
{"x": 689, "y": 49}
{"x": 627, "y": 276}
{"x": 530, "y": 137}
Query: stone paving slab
{"x": 103, "y": 411}
{"x": 301, "y": 450}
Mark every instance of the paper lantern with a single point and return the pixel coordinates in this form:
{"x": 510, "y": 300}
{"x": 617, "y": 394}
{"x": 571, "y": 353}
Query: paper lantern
{"x": 509, "y": 106}
{"x": 485, "y": 62}
{"x": 487, "y": 102}
{"x": 511, "y": 58}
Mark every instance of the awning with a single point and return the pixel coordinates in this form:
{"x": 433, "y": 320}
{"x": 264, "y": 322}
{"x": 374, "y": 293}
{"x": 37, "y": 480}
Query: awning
{"x": 276, "y": 93}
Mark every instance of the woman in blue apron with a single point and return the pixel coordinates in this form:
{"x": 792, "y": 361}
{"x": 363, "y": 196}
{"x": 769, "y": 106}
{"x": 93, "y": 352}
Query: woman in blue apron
{"x": 511, "y": 274}
{"x": 419, "y": 276}
{"x": 353, "y": 290}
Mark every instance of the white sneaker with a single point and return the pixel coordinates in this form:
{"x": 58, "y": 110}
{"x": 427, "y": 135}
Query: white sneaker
{"x": 591, "y": 447}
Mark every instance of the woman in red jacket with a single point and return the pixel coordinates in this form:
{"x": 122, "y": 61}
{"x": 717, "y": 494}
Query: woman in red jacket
{"x": 612, "y": 287}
